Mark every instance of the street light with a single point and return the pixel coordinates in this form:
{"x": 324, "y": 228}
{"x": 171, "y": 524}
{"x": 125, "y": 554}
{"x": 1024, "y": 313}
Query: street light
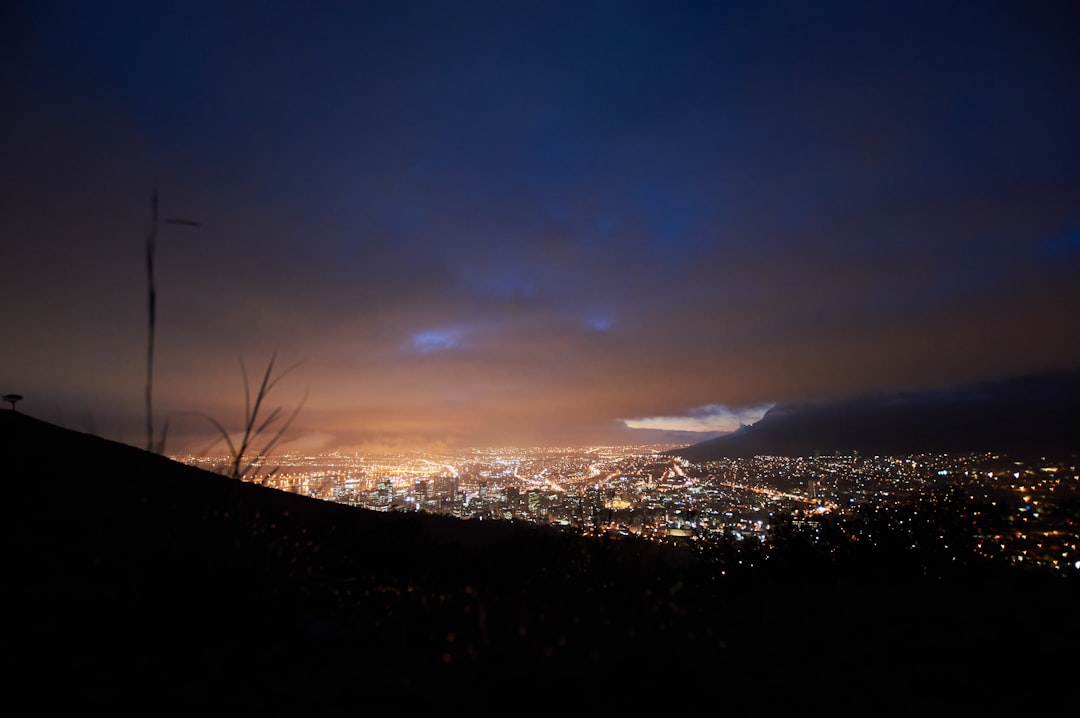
{"x": 151, "y": 244}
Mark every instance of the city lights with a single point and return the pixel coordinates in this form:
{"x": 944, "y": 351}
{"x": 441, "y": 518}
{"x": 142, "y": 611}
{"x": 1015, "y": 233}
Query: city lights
{"x": 644, "y": 492}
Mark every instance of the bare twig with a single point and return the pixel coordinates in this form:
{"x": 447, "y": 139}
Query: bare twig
{"x": 244, "y": 458}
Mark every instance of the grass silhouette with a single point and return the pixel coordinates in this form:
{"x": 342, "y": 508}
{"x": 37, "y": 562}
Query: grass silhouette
{"x": 245, "y": 459}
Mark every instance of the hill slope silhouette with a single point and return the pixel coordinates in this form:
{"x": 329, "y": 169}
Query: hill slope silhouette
{"x": 141, "y": 584}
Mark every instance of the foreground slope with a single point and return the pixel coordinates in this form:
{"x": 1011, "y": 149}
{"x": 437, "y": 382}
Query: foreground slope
{"x": 141, "y": 583}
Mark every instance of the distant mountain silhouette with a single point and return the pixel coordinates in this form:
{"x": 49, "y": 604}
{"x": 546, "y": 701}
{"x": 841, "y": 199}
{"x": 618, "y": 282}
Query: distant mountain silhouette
{"x": 1025, "y": 415}
{"x": 145, "y": 586}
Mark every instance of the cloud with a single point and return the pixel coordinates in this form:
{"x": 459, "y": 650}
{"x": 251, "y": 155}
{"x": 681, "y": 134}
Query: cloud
{"x": 708, "y": 418}
{"x": 434, "y": 340}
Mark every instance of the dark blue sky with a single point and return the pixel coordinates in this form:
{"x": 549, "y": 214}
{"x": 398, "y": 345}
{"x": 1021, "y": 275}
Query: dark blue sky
{"x": 533, "y": 222}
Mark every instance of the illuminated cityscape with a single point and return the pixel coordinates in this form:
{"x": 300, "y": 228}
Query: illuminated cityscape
{"x": 641, "y": 491}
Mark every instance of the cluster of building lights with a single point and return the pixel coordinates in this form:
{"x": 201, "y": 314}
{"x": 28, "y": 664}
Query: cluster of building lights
{"x": 644, "y": 492}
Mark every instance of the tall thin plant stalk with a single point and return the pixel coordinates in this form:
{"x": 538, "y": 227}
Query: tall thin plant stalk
{"x": 151, "y": 242}
{"x": 151, "y": 248}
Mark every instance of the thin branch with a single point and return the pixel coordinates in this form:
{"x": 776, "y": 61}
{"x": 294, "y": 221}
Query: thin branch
{"x": 151, "y": 248}
{"x": 160, "y": 448}
{"x": 243, "y": 459}
{"x": 223, "y": 433}
{"x": 272, "y": 444}
{"x": 152, "y": 304}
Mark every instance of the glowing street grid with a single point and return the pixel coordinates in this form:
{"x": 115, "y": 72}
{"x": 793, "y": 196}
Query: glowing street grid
{"x": 623, "y": 491}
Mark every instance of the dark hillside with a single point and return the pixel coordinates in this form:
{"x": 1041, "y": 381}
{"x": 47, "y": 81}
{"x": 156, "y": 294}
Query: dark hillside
{"x": 144, "y": 585}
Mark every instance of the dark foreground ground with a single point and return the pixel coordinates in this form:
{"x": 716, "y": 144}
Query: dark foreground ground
{"x": 148, "y": 587}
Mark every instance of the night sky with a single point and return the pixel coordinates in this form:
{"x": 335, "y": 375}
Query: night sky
{"x": 531, "y": 223}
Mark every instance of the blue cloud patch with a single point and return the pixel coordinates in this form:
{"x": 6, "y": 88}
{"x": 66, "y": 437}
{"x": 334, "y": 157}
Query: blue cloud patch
{"x": 435, "y": 340}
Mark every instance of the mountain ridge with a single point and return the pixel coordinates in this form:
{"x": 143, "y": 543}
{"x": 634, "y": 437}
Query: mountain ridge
{"x": 1029, "y": 414}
